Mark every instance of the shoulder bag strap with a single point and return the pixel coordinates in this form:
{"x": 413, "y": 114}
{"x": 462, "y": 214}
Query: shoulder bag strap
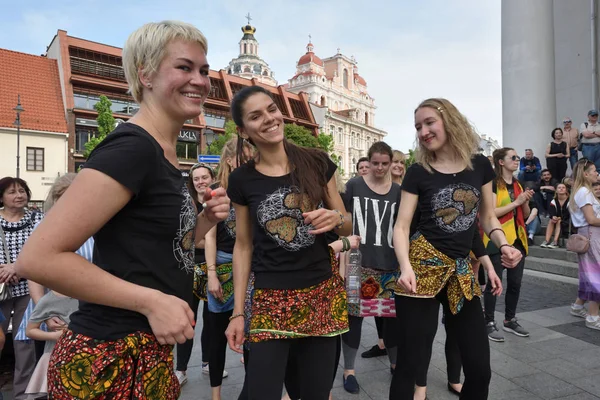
{"x": 5, "y": 246}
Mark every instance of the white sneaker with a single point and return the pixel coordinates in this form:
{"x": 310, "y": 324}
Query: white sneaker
{"x": 544, "y": 245}
{"x": 181, "y": 377}
{"x": 206, "y": 370}
{"x": 579, "y": 312}
{"x": 552, "y": 245}
{"x": 593, "y": 324}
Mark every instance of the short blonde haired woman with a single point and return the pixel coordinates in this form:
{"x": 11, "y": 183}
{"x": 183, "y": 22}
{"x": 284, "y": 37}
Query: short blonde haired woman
{"x": 131, "y": 196}
{"x": 398, "y": 167}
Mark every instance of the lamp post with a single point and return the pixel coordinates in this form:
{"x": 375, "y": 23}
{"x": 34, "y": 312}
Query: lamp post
{"x": 209, "y": 137}
{"x": 19, "y": 109}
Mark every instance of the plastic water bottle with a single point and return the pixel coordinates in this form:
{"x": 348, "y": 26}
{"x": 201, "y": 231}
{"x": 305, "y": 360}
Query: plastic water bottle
{"x": 353, "y": 270}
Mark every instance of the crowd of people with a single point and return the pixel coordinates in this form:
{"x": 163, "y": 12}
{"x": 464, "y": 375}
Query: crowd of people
{"x": 264, "y": 243}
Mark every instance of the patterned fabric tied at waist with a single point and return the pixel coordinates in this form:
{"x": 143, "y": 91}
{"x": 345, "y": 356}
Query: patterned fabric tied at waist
{"x": 435, "y": 270}
{"x": 136, "y": 366}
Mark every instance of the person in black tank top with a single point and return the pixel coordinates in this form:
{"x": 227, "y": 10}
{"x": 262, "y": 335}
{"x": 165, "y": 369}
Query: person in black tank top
{"x": 557, "y": 154}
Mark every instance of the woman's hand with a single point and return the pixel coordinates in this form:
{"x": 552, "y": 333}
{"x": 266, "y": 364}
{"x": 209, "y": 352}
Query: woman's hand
{"x": 216, "y": 205}
{"x": 510, "y": 256}
{"x": 407, "y": 280}
{"x": 495, "y": 281}
{"x": 171, "y": 319}
{"x": 55, "y": 324}
{"x": 322, "y": 219}
{"x": 523, "y": 198}
{"x": 235, "y": 334}
{"x": 354, "y": 241}
{"x": 214, "y": 286}
{"x": 8, "y": 274}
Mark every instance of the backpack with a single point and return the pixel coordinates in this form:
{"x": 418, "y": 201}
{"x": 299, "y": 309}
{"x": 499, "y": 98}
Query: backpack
{"x": 579, "y": 144}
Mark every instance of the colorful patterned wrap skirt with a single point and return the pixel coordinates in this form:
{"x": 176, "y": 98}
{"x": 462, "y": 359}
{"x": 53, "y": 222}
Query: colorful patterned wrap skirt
{"x": 320, "y": 310}
{"x": 135, "y": 367}
{"x": 434, "y": 270}
{"x": 376, "y": 294}
{"x": 201, "y": 282}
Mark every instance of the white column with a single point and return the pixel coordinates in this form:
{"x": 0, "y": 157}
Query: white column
{"x": 528, "y": 85}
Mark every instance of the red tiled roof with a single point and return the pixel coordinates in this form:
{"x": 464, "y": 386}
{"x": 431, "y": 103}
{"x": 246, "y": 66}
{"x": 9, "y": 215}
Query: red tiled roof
{"x": 36, "y": 79}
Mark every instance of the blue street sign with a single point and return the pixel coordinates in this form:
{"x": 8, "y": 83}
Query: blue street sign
{"x": 209, "y": 159}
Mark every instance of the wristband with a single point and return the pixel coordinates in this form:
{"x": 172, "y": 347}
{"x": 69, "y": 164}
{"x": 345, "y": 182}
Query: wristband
{"x": 505, "y": 244}
{"x": 234, "y": 316}
{"x": 345, "y": 244}
{"x": 211, "y": 269}
{"x": 495, "y": 229}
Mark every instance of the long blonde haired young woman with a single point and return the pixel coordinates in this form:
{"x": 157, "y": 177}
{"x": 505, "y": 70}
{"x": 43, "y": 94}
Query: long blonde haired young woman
{"x": 398, "y": 169}
{"x": 585, "y": 216}
{"x": 450, "y": 184}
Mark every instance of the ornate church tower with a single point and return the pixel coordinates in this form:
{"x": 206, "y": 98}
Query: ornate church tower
{"x": 249, "y": 64}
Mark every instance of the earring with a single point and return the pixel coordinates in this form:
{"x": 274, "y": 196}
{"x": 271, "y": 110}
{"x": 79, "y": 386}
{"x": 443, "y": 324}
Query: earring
{"x": 149, "y": 85}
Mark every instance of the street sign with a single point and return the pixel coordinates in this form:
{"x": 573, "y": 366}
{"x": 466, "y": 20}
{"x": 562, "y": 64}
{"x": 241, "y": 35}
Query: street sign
{"x": 209, "y": 159}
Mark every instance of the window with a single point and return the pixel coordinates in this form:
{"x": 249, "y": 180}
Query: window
{"x": 214, "y": 119}
{"x": 323, "y": 102}
{"x": 35, "y": 159}
{"x": 120, "y": 106}
{"x": 341, "y": 135}
{"x": 82, "y": 136}
{"x": 366, "y": 118}
{"x": 345, "y": 78}
{"x": 187, "y": 151}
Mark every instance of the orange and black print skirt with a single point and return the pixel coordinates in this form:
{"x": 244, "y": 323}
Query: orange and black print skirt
{"x": 320, "y": 310}
{"x": 135, "y": 367}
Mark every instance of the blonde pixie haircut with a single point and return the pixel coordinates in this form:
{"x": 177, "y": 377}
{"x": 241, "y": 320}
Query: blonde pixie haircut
{"x": 145, "y": 49}
{"x": 460, "y": 134}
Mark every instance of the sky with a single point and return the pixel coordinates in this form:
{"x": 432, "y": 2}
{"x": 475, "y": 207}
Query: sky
{"x": 407, "y": 50}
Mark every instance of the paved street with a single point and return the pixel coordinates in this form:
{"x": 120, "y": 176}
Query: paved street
{"x": 558, "y": 361}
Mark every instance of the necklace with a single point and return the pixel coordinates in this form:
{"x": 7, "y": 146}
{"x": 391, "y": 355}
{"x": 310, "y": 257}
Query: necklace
{"x": 163, "y": 137}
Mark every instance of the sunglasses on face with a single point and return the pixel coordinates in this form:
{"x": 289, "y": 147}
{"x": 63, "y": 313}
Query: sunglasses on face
{"x": 515, "y": 158}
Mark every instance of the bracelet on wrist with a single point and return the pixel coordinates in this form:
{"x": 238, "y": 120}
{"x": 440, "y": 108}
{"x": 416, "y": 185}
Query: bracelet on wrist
{"x": 342, "y": 219}
{"x": 495, "y": 229}
{"x": 236, "y": 315}
{"x": 505, "y": 245}
{"x": 345, "y": 244}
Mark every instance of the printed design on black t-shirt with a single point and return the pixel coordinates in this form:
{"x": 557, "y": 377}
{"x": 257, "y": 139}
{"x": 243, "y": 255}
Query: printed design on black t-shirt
{"x": 280, "y": 215}
{"x": 183, "y": 244}
{"x": 455, "y": 207}
{"x": 229, "y": 223}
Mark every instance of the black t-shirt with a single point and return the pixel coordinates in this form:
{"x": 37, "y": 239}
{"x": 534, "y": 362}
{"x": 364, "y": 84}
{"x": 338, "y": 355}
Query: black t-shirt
{"x": 449, "y": 204}
{"x": 199, "y": 256}
{"x": 226, "y": 233}
{"x": 373, "y": 218}
{"x": 150, "y": 241}
{"x": 285, "y": 255}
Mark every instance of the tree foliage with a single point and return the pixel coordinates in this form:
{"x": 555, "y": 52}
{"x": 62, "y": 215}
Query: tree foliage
{"x": 410, "y": 158}
{"x": 106, "y": 124}
{"x": 301, "y": 136}
{"x": 216, "y": 147}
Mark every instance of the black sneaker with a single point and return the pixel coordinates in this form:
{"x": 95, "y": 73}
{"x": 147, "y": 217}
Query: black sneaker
{"x": 351, "y": 384}
{"x": 513, "y": 326}
{"x": 374, "y": 351}
{"x": 493, "y": 332}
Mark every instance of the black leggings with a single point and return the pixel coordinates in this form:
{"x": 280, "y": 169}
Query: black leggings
{"x": 351, "y": 339}
{"x": 453, "y": 363}
{"x": 379, "y": 326}
{"x": 514, "y": 277}
{"x": 184, "y": 351}
{"x": 417, "y": 325}
{"x": 313, "y": 356}
{"x": 218, "y": 323}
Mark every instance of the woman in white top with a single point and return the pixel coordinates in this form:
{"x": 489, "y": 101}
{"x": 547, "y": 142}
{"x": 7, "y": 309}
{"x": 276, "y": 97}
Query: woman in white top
{"x": 585, "y": 216}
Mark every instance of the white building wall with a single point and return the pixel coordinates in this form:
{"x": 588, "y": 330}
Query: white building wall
{"x": 528, "y": 74}
{"x": 55, "y": 158}
{"x": 573, "y": 60}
